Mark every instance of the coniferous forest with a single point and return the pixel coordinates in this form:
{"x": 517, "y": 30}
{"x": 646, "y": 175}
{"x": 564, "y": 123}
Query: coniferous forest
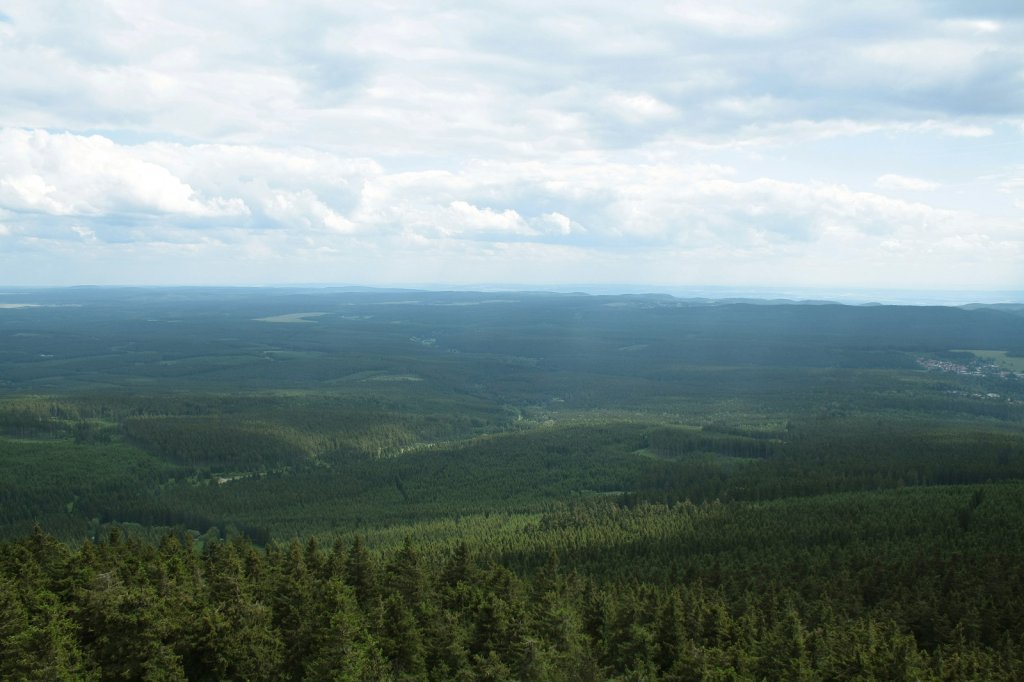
{"x": 348, "y": 484}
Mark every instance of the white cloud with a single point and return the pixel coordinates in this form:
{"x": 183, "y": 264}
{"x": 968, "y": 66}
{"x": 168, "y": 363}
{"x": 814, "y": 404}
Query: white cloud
{"x": 972, "y": 26}
{"x": 756, "y": 135}
{"x": 730, "y": 19}
{"x": 749, "y": 107}
{"x": 462, "y": 217}
{"x": 419, "y": 137}
{"x": 84, "y": 232}
{"x": 311, "y": 205}
{"x": 903, "y": 182}
{"x": 255, "y": 188}
{"x": 952, "y": 128}
{"x": 73, "y": 175}
{"x": 558, "y": 223}
{"x": 923, "y": 62}
{"x": 304, "y": 210}
{"x": 638, "y": 107}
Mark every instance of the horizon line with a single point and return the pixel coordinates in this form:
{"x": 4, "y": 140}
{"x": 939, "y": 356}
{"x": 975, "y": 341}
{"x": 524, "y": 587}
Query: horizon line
{"x": 796, "y": 294}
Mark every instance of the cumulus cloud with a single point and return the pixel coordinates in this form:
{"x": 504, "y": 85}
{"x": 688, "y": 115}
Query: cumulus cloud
{"x": 303, "y": 209}
{"x": 73, "y": 175}
{"x": 256, "y": 188}
{"x": 465, "y": 217}
{"x": 558, "y": 223}
{"x": 317, "y": 206}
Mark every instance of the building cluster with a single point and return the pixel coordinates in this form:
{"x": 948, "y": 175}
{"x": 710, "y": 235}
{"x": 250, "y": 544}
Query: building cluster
{"x": 977, "y": 369}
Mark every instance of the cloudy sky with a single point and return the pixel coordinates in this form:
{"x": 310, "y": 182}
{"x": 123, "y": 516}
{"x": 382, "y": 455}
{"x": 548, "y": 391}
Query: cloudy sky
{"x": 796, "y": 143}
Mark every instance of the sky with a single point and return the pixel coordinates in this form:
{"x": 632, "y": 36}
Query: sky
{"x": 862, "y": 144}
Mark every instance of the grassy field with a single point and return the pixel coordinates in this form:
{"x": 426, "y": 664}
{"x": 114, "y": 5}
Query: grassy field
{"x": 290, "y": 318}
{"x": 1000, "y": 358}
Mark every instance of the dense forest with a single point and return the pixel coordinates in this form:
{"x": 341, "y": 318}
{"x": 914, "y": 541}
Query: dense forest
{"x": 366, "y": 485}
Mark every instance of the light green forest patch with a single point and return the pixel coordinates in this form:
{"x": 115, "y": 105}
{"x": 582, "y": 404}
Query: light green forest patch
{"x": 463, "y": 304}
{"x": 998, "y": 357}
{"x": 211, "y": 361}
{"x": 291, "y": 318}
{"x": 291, "y": 354}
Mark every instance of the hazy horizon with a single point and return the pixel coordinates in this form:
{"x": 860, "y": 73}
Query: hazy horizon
{"x": 847, "y": 296}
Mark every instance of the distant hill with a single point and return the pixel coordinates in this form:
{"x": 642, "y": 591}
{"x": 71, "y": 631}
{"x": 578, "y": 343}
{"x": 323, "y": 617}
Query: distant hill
{"x": 1015, "y": 308}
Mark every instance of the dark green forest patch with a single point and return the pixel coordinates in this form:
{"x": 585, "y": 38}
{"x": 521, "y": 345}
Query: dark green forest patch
{"x": 557, "y": 487}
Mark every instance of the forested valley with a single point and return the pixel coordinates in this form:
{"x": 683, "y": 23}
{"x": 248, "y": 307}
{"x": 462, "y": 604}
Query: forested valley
{"x": 349, "y": 484}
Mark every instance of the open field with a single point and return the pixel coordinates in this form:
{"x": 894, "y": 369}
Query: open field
{"x": 290, "y": 318}
{"x": 1000, "y": 358}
